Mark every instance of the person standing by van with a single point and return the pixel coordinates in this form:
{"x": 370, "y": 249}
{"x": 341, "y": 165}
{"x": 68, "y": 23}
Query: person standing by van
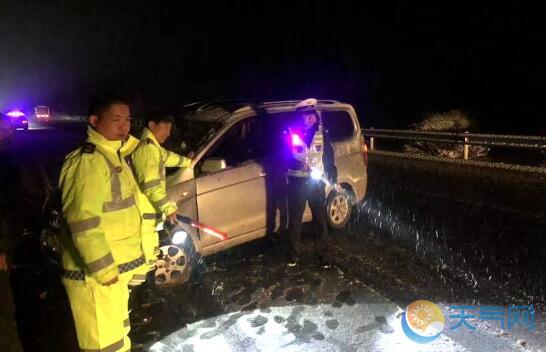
{"x": 102, "y": 249}
{"x": 302, "y": 187}
{"x": 150, "y": 160}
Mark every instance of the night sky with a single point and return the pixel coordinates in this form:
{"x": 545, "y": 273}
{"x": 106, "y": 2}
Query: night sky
{"x": 394, "y": 60}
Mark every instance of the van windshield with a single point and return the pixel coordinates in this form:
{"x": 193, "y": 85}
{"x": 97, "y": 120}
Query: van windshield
{"x": 194, "y": 134}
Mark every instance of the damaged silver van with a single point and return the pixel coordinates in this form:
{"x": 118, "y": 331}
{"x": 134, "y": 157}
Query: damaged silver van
{"x": 226, "y": 185}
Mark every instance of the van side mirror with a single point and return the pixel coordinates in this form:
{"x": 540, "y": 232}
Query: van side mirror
{"x": 211, "y": 165}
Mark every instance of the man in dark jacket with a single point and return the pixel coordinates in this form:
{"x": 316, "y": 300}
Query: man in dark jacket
{"x": 305, "y": 138}
{"x": 10, "y": 190}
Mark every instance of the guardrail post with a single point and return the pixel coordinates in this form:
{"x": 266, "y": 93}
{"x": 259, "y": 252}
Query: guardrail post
{"x": 466, "y": 147}
{"x": 372, "y": 141}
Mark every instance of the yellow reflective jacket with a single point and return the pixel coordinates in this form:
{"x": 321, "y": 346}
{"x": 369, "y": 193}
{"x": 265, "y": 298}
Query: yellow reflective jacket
{"x": 100, "y": 206}
{"x": 149, "y": 162}
{"x": 150, "y": 218}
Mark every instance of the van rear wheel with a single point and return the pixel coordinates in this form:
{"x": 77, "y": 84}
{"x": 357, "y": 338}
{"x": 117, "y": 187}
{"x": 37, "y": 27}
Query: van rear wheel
{"x": 338, "y": 209}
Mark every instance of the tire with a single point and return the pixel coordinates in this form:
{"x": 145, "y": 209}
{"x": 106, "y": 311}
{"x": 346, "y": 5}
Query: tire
{"x": 338, "y": 209}
{"x": 175, "y": 264}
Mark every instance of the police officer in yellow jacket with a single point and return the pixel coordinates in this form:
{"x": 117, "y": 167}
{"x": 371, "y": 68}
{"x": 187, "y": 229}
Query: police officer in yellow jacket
{"x": 102, "y": 249}
{"x": 149, "y": 216}
{"x": 149, "y": 242}
{"x": 150, "y": 160}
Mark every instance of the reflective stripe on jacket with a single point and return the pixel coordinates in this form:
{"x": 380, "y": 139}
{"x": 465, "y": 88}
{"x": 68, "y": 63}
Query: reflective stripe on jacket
{"x": 296, "y": 168}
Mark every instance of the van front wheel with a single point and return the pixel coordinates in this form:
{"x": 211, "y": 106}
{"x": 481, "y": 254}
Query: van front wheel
{"x": 338, "y": 209}
{"x": 175, "y": 264}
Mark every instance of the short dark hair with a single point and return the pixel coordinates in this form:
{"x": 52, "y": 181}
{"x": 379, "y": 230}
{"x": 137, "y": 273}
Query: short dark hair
{"x": 158, "y": 116}
{"x": 102, "y": 101}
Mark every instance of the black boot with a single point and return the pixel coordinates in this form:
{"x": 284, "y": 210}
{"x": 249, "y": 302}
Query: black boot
{"x": 293, "y": 258}
{"x": 321, "y": 252}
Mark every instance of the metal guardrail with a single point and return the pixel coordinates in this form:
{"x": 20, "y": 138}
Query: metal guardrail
{"x": 466, "y": 139}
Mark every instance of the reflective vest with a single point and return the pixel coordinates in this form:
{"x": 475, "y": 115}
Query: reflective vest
{"x": 100, "y": 206}
{"x": 307, "y": 150}
{"x": 316, "y": 151}
{"x": 149, "y": 162}
{"x": 149, "y": 216}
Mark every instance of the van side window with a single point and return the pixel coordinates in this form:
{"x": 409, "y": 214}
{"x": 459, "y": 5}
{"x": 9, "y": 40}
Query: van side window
{"x": 242, "y": 143}
{"x": 339, "y": 125}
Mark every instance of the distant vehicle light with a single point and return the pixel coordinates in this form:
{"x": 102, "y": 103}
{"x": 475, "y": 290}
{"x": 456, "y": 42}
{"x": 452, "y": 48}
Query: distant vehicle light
{"x": 25, "y": 122}
{"x": 15, "y": 113}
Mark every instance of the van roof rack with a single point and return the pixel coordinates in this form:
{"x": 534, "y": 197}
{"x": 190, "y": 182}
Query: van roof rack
{"x": 283, "y": 102}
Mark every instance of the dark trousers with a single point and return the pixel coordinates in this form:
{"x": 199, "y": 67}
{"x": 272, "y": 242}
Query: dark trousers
{"x": 9, "y": 339}
{"x": 300, "y": 191}
{"x": 276, "y": 199}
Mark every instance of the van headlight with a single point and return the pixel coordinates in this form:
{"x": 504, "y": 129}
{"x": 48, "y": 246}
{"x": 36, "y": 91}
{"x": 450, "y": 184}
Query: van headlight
{"x": 178, "y": 237}
{"x": 177, "y": 233}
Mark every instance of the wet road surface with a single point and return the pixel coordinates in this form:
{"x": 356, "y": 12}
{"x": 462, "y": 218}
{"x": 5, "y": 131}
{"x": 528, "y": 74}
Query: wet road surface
{"x": 250, "y": 299}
